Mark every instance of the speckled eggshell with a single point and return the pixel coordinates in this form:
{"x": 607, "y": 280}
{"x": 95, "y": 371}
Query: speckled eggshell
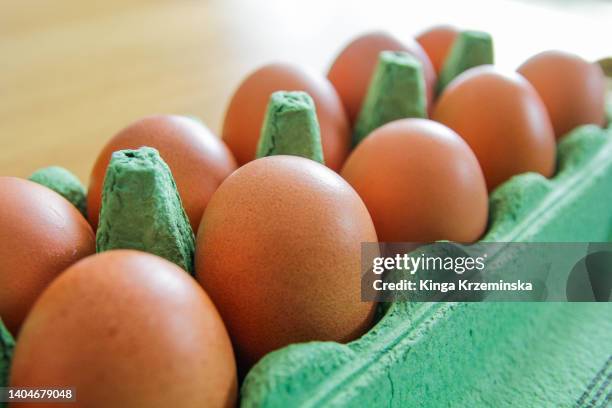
{"x": 278, "y": 251}
{"x": 41, "y": 234}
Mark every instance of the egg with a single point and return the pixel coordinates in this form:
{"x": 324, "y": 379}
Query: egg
{"x": 572, "y": 89}
{"x": 199, "y": 161}
{"x": 41, "y": 234}
{"x": 278, "y": 251}
{"x": 421, "y": 183}
{"x": 437, "y": 42}
{"x": 352, "y": 69}
{"x": 127, "y": 329}
{"x": 245, "y": 113}
{"x": 503, "y": 120}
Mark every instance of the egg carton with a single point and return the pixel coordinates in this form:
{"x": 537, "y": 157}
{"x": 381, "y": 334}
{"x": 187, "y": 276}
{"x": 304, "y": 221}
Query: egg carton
{"x": 6, "y": 352}
{"x": 470, "y": 354}
{"x": 476, "y": 354}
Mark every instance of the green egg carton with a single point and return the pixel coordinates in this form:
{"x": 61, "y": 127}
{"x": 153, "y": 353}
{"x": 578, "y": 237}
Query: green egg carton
{"x": 7, "y": 344}
{"x": 476, "y": 354}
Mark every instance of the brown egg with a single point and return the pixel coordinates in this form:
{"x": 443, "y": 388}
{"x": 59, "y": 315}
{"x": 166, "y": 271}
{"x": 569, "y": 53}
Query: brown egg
{"x": 421, "y": 183}
{"x": 503, "y": 120}
{"x": 41, "y": 234}
{"x": 278, "y": 251}
{"x": 127, "y": 329}
{"x": 573, "y": 90}
{"x": 351, "y": 71}
{"x": 245, "y": 113}
{"x": 437, "y": 42}
{"x": 199, "y": 161}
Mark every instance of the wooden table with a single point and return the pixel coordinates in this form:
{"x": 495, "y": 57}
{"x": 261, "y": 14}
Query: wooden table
{"x": 74, "y": 72}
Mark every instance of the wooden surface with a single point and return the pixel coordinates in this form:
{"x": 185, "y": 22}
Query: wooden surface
{"x": 72, "y": 73}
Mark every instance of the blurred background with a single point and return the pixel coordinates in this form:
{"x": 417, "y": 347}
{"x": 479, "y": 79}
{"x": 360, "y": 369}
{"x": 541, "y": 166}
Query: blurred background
{"x": 73, "y": 73}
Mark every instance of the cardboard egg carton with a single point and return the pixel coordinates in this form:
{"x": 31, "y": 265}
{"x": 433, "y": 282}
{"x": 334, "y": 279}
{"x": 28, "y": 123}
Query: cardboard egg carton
{"x": 476, "y": 354}
{"x": 470, "y": 354}
{"x": 6, "y": 352}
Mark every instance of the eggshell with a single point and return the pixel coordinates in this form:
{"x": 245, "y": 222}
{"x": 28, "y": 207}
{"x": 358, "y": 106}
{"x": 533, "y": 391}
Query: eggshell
{"x": 421, "y": 183}
{"x": 278, "y": 251}
{"x": 127, "y": 329}
{"x": 353, "y": 67}
{"x": 503, "y": 120}
{"x": 437, "y": 42}
{"x": 199, "y": 161}
{"x": 41, "y": 234}
{"x": 573, "y": 90}
{"x": 245, "y": 113}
